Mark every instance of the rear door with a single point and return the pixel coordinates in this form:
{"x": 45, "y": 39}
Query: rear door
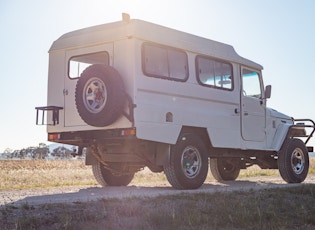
{"x": 77, "y": 61}
{"x": 253, "y": 106}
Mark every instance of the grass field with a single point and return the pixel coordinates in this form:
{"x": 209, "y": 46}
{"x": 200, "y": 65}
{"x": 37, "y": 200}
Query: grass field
{"x": 19, "y": 174}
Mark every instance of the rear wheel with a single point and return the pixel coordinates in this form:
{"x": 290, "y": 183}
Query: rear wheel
{"x": 224, "y": 169}
{"x": 293, "y": 161}
{"x": 188, "y": 166}
{"x": 106, "y": 177}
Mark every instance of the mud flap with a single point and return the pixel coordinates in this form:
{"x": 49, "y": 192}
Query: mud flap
{"x": 89, "y": 158}
{"x": 163, "y": 154}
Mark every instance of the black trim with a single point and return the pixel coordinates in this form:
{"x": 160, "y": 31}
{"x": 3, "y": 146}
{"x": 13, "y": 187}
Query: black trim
{"x": 89, "y": 137}
{"x": 217, "y": 60}
{"x": 299, "y": 125}
{"x": 82, "y": 55}
{"x": 166, "y": 48}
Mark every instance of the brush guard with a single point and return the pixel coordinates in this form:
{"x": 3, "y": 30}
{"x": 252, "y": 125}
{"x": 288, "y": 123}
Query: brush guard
{"x": 299, "y": 130}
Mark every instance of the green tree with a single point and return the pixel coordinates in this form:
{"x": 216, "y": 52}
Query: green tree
{"x": 41, "y": 151}
{"x": 8, "y": 153}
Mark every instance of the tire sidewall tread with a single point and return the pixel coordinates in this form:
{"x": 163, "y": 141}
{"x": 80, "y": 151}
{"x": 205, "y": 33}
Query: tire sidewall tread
{"x": 218, "y": 172}
{"x": 174, "y": 172}
{"x": 115, "y": 95}
{"x": 284, "y": 161}
{"x": 106, "y": 178}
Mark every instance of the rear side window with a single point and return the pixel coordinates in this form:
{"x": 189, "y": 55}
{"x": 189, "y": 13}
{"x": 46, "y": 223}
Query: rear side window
{"x": 214, "y": 73}
{"x": 78, "y": 64}
{"x": 164, "y": 62}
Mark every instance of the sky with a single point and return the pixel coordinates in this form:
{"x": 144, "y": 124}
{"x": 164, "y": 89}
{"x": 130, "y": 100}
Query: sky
{"x": 279, "y": 35}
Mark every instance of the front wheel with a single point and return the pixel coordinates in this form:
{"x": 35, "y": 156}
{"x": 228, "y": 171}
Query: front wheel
{"x": 188, "y": 166}
{"x": 293, "y": 161}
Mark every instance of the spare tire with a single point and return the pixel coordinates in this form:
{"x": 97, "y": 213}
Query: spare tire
{"x": 100, "y": 95}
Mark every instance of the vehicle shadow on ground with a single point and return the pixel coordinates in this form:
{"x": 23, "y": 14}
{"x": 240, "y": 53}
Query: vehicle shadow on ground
{"x": 94, "y": 193}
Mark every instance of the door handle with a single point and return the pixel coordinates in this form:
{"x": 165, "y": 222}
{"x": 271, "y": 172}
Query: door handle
{"x": 245, "y": 113}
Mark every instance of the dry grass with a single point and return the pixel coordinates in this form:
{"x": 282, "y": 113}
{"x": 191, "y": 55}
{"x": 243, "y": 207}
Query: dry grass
{"x": 19, "y": 174}
{"x": 42, "y": 173}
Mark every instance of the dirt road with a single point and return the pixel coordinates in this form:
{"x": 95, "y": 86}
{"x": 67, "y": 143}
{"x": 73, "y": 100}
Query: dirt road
{"x": 82, "y": 194}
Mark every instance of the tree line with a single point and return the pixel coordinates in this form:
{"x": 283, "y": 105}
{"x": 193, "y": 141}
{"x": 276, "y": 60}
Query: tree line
{"x": 42, "y": 151}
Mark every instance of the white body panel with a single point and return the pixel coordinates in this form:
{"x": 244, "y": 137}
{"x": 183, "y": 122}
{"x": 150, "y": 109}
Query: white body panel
{"x": 231, "y": 119}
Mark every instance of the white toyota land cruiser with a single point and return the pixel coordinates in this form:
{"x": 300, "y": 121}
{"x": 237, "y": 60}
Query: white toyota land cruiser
{"x": 136, "y": 94}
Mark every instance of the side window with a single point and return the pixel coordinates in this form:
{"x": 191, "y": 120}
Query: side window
{"x": 164, "y": 62}
{"x": 78, "y": 64}
{"x": 251, "y": 83}
{"x": 214, "y": 73}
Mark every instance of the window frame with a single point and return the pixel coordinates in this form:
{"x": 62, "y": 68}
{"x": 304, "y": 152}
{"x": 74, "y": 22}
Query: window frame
{"x": 216, "y": 60}
{"x": 259, "y": 78}
{"x": 167, "y": 49}
{"x": 82, "y": 55}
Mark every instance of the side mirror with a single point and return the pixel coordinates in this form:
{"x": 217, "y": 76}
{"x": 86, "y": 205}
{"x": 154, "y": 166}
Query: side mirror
{"x": 268, "y": 92}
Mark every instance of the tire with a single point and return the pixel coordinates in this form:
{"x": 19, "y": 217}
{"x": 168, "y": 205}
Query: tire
{"x": 293, "y": 161}
{"x": 96, "y": 169}
{"x": 100, "y": 95}
{"x": 106, "y": 178}
{"x": 188, "y": 166}
{"x": 224, "y": 169}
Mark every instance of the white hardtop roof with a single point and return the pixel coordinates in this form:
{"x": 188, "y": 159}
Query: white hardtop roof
{"x": 147, "y": 31}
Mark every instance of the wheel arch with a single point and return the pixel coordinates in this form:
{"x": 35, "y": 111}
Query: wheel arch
{"x": 201, "y": 132}
{"x": 163, "y": 149}
{"x": 280, "y": 136}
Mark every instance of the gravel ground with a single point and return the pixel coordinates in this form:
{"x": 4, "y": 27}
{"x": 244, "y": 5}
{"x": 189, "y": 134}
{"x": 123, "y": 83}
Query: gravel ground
{"x": 82, "y": 194}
